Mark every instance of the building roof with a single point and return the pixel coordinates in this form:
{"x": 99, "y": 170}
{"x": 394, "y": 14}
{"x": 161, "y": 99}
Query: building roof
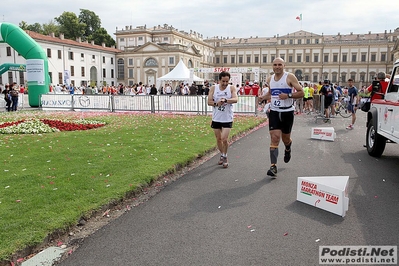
{"x": 61, "y": 40}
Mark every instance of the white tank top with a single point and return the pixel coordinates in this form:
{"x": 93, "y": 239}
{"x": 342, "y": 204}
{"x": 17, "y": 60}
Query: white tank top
{"x": 277, "y": 87}
{"x": 223, "y": 113}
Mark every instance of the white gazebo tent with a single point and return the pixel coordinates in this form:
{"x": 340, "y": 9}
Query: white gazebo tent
{"x": 180, "y": 73}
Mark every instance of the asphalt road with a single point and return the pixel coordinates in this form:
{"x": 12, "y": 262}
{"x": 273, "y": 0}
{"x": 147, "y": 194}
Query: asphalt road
{"x": 240, "y": 216}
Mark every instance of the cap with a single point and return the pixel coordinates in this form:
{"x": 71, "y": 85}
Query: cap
{"x": 250, "y": 84}
{"x": 255, "y": 81}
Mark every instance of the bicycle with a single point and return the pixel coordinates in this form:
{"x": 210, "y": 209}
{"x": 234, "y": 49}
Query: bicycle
{"x": 342, "y": 108}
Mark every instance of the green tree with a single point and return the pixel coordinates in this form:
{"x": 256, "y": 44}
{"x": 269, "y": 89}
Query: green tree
{"x": 70, "y": 25}
{"x": 92, "y": 21}
{"x": 101, "y": 36}
{"x": 23, "y": 25}
{"x": 37, "y": 27}
{"x": 51, "y": 27}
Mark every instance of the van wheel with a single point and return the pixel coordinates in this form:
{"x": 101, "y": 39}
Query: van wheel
{"x": 375, "y": 143}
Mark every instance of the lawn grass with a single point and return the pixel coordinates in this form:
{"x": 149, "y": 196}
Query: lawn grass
{"x": 48, "y": 181}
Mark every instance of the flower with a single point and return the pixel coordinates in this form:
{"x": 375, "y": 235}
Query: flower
{"x": 36, "y": 126}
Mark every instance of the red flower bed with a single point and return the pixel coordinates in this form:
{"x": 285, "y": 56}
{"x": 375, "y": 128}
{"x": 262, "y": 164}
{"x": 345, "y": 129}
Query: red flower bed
{"x": 8, "y": 124}
{"x": 69, "y": 126}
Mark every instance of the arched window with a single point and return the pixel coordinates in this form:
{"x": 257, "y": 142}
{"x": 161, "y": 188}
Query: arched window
{"x": 190, "y": 64}
{"x": 151, "y": 62}
{"x": 121, "y": 68}
{"x": 298, "y": 74}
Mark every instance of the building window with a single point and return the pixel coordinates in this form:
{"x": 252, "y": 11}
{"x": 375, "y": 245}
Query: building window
{"x": 264, "y": 59}
{"x": 256, "y": 59}
{"x": 354, "y": 55}
{"x": 166, "y": 39}
{"x": 171, "y": 60}
{"x": 344, "y": 58}
{"x": 130, "y": 61}
{"x": 334, "y": 77}
{"x": 316, "y": 41}
{"x": 48, "y": 52}
{"x": 290, "y": 58}
{"x": 383, "y": 57}
{"x": 282, "y": 42}
{"x": 362, "y": 77}
{"x": 233, "y": 59}
{"x": 82, "y": 71}
{"x": 307, "y": 59}
{"x": 273, "y": 57}
{"x": 8, "y": 51}
{"x": 151, "y": 62}
{"x": 104, "y": 73}
{"x": 59, "y": 54}
{"x": 130, "y": 73}
{"x": 93, "y": 58}
{"x": 299, "y": 41}
{"x": 326, "y": 58}
{"x": 282, "y": 56}
{"x": 291, "y": 42}
{"x": 217, "y": 60}
{"x": 353, "y": 76}
{"x": 343, "y": 76}
{"x": 225, "y": 59}
{"x": 70, "y": 55}
{"x": 299, "y": 58}
{"x": 112, "y": 60}
{"x": 248, "y": 59}
{"x": 60, "y": 78}
{"x": 373, "y": 57}
{"x": 121, "y": 68}
{"x": 316, "y": 58}
{"x": 112, "y": 73}
{"x": 51, "y": 77}
{"x": 121, "y": 39}
{"x": 363, "y": 57}
{"x": 307, "y": 41}
{"x": 72, "y": 71}
{"x": 315, "y": 77}
{"x": 103, "y": 59}
{"x": 140, "y": 38}
{"x": 240, "y": 59}
{"x": 335, "y": 58}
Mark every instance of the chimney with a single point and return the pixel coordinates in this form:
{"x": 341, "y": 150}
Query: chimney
{"x": 92, "y": 42}
{"x": 52, "y": 34}
{"x": 78, "y": 39}
{"x": 61, "y": 36}
{"x": 103, "y": 44}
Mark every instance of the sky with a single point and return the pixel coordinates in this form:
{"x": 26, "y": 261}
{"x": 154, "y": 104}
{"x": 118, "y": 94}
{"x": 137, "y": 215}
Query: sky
{"x": 222, "y": 18}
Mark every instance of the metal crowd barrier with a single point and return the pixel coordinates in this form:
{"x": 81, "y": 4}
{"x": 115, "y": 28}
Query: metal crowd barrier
{"x": 150, "y": 103}
{"x": 22, "y": 100}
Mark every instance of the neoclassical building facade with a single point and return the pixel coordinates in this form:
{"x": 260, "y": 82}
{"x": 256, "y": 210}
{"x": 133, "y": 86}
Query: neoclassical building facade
{"x": 149, "y": 53}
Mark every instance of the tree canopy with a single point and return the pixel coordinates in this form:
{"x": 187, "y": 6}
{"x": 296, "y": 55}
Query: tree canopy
{"x": 87, "y": 26}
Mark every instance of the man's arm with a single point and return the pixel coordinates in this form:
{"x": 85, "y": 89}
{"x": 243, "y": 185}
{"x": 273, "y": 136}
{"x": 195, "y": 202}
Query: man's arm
{"x": 234, "y": 97}
{"x": 267, "y": 96}
{"x": 293, "y": 82}
{"x": 210, "y": 96}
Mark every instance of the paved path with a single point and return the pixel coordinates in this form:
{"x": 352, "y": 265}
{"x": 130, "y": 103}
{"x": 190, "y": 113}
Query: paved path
{"x": 239, "y": 216}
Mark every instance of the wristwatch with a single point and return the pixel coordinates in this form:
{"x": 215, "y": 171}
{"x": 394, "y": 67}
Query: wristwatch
{"x": 289, "y": 95}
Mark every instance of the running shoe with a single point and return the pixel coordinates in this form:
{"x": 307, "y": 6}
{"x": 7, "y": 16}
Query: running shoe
{"x": 272, "y": 171}
{"x": 221, "y": 160}
{"x": 350, "y": 127}
{"x": 287, "y": 155}
{"x": 225, "y": 162}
